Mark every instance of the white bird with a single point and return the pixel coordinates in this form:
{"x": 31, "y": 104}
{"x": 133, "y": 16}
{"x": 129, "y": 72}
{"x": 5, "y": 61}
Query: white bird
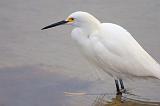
{"x": 110, "y": 47}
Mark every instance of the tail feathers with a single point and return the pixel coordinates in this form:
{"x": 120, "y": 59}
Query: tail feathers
{"x": 156, "y": 72}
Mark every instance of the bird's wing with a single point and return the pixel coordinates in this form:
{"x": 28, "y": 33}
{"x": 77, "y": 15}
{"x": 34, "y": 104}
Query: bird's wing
{"x": 116, "y": 49}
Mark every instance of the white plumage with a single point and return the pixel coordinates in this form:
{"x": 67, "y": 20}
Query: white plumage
{"x": 112, "y": 48}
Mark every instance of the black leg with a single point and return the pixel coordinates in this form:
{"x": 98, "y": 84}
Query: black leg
{"x": 121, "y": 83}
{"x": 117, "y": 87}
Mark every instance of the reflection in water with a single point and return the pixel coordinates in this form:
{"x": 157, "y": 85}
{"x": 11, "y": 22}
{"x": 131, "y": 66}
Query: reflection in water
{"x": 119, "y": 100}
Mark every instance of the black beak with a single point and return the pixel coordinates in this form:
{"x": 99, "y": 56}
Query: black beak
{"x": 55, "y": 24}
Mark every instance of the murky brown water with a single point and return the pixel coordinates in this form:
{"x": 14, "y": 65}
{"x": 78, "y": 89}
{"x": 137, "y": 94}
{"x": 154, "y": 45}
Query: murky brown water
{"x": 37, "y": 67}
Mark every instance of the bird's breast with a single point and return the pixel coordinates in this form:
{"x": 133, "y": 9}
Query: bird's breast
{"x": 84, "y": 43}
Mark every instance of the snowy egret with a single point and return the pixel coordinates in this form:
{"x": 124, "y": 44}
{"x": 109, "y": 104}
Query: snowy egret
{"x": 110, "y": 47}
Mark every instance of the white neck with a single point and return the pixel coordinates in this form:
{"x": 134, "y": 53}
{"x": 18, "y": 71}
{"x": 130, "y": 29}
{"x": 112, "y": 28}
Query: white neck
{"x": 91, "y": 26}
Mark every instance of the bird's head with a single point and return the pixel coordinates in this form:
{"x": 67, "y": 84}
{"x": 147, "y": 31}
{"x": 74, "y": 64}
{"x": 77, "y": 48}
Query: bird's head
{"x": 77, "y": 19}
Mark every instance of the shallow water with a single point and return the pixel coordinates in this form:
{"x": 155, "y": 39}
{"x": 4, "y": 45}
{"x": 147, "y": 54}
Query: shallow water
{"x": 37, "y": 67}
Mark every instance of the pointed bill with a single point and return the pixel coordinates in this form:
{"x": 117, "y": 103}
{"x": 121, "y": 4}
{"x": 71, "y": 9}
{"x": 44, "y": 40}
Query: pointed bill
{"x": 55, "y": 24}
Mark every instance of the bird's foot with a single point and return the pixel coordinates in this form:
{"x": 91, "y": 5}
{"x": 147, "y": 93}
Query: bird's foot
{"x": 122, "y": 91}
{"x": 128, "y": 92}
{"x": 119, "y": 93}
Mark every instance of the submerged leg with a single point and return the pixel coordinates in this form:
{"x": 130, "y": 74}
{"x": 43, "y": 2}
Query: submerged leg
{"x": 123, "y": 90}
{"x": 121, "y": 83}
{"x": 117, "y": 87}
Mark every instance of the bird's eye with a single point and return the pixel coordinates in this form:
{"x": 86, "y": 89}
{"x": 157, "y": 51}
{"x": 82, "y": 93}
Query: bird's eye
{"x": 71, "y": 19}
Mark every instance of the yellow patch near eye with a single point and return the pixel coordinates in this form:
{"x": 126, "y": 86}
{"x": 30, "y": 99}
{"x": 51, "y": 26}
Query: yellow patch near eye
{"x": 70, "y": 19}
